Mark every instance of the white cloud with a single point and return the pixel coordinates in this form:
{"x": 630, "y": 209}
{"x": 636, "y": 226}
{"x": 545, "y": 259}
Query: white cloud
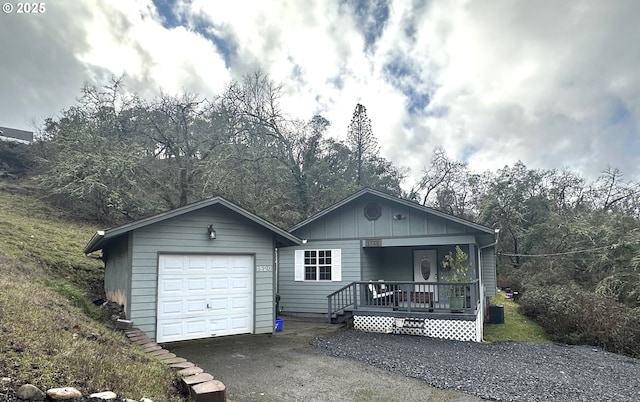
{"x": 551, "y": 84}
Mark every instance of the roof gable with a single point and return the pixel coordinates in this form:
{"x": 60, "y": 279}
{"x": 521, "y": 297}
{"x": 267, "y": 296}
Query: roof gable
{"x": 100, "y": 238}
{"x": 368, "y": 193}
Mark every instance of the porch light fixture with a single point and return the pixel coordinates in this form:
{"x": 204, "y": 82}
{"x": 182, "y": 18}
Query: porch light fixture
{"x": 211, "y": 232}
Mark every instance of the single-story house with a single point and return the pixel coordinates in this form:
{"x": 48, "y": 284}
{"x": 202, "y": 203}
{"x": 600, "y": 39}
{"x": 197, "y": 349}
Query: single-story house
{"x": 212, "y": 268}
{"x": 379, "y": 259}
{"x": 202, "y": 270}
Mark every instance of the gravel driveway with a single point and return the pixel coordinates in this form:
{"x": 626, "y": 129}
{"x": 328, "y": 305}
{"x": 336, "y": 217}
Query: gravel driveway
{"x": 506, "y": 371}
{"x": 312, "y": 360}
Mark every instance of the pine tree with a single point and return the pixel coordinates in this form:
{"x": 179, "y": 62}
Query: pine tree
{"x": 362, "y": 143}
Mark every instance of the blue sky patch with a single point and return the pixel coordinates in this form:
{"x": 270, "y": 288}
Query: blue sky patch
{"x": 402, "y": 74}
{"x": 165, "y": 9}
{"x": 371, "y": 17}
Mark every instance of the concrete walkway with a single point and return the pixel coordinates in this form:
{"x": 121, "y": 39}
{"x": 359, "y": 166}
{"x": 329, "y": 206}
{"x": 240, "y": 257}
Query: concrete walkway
{"x": 285, "y": 367}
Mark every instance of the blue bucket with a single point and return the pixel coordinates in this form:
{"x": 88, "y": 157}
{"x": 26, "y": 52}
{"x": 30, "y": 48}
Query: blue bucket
{"x": 279, "y": 324}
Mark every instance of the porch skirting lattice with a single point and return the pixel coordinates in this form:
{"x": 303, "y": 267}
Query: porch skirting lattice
{"x": 458, "y": 330}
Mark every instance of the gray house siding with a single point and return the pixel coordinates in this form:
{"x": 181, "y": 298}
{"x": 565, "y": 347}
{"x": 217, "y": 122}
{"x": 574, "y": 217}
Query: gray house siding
{"x": 349, "y": 222}
{"x": 310, "y": 297}
{"x": 488, "y": 263}
{"x": 117, "y": 278}
{"x": 187, "y": 235}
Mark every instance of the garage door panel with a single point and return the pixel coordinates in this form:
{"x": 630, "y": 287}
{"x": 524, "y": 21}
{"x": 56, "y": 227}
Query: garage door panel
{"x": 196, "y": 329}
{"x": 196, "y": 285}
{"x": 170, "y": 330}
{"x": 196, "y": 264}
{"x": 170, "y": 286}
{"x": 206, "y": 296}
{"x": 219, "y": 265}
{"x": 219, "y": 285}
{"x": 219, "y": 325}
{"x": 170, "y": 308}
{"x": 239, "y": 323}
{"x": 240, "y": 303}
{"x": 197, "y": 306}
{"x": 239, "y": 284}
{"x": 170, "y": 264}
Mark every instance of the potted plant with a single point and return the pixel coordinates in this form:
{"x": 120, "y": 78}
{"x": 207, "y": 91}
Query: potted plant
{"x": 456, "y": 268}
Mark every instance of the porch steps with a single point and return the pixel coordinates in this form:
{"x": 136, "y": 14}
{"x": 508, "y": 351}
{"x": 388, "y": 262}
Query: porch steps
{"x": 342, "y": 316}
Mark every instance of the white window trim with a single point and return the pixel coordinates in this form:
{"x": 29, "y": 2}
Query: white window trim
{"x": 336, "y": 265}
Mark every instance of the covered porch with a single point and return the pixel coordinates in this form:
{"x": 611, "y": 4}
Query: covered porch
{"x": 406, "y": 288}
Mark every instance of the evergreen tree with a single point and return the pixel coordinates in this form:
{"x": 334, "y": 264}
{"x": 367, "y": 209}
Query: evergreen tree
{"x": 361, "y": 141}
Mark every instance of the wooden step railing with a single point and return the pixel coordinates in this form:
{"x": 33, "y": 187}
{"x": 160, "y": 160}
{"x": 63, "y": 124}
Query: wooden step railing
{"x": 343, "y": 298}
{"x": 405, "y": 296}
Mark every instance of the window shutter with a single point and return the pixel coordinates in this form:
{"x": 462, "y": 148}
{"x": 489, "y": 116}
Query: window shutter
{"x": 336, "y": 265}
{"x": 299, "y": 266}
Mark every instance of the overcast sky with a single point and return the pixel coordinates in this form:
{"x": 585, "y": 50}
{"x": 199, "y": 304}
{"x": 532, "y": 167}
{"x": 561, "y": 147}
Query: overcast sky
{"x": 551, "y": 83}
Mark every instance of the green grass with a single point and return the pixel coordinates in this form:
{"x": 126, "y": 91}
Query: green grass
{"x": 516, "y": 327}
{"x": 51, "y": 335}
{"x": 31, "y": 230}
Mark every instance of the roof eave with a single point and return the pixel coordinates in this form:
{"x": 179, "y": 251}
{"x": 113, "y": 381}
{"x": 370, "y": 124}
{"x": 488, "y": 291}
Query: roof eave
{"x": 93, "y": 244}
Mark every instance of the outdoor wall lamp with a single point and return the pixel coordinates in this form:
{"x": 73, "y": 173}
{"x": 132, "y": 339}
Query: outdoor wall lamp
{"x": 211, "y": 232}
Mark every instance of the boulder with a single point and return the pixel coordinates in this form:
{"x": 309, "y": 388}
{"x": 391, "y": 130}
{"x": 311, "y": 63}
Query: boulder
{"x": 30, "y": 392}
{"x": 60, "y": 394}
{"x": 107, "y": 395}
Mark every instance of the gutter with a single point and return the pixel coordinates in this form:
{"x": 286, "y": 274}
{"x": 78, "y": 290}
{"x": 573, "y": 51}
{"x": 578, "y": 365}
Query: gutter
{"x": 497, "y": 232}
{"x": 95, "y": 239}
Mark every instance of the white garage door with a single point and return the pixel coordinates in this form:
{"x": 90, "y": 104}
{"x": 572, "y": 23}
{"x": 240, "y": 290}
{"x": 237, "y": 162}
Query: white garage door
{"x": 204, "y": 295}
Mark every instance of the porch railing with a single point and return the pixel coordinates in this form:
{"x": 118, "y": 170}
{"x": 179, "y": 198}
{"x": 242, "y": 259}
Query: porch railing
{"x": 422, "y": 297}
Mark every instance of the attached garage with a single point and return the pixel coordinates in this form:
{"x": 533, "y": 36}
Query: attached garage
{"x": 204, "y": 270}
{"x": 204, "y": 295}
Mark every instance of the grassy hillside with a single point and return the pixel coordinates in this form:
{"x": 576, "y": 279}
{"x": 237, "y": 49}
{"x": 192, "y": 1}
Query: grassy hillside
{"x": 50, "y": 333}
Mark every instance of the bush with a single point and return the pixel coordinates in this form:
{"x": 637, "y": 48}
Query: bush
{"x": 572, "y": 315}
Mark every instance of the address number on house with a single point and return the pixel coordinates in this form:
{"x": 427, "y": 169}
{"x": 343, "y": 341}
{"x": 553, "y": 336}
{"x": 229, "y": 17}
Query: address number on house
{"x": 264, "y": 268}
{"x": 373, "y": 243}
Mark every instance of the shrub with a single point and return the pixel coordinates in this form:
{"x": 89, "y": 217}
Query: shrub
{"x": 572, "y": 315}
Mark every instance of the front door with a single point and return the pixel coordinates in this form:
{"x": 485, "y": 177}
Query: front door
{"x": 425, "y": 269}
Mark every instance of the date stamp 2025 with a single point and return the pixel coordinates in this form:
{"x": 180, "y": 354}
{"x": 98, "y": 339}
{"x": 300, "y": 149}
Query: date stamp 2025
{"x": 24, "y": 8}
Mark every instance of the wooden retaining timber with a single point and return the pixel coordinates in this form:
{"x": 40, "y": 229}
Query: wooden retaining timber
{"x": 201, "y": 386}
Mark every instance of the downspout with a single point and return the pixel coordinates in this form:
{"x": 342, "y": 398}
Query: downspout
{"x": 275, "y": 269}
{"x": 482, "y": 296}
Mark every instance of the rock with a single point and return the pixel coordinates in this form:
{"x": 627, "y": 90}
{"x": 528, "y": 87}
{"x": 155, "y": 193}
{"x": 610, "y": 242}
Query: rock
{"x": 107, "y": 395}
{"x": 145, "y": 400}
{"x": 30, "y": 392}
{"x": 59, "y": 394}
{"x": 190, "y": 371}
{"x": 209, "y": 391}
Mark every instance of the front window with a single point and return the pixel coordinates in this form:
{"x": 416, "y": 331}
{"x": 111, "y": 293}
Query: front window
{"x": 317, "y": 265}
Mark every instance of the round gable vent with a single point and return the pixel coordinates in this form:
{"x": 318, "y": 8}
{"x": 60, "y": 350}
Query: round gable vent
{"x": 372, "y": 211}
